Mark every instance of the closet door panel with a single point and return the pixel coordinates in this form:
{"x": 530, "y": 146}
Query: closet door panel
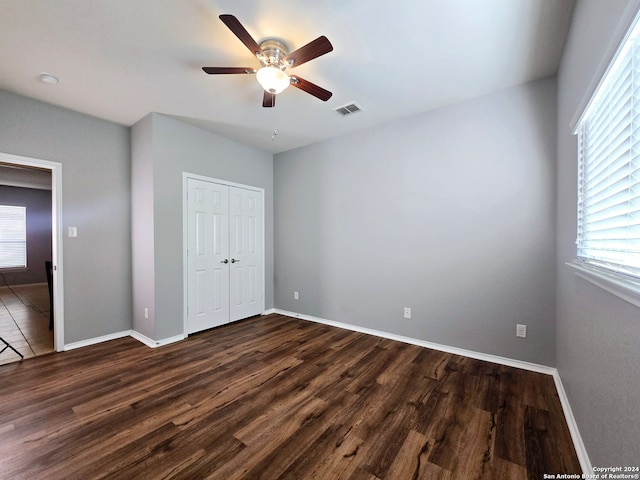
{"x": 247, "y": 253}
{"x": 207, "y": 249}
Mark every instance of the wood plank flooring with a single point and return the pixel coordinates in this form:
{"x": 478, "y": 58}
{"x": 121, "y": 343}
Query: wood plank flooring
{"x": 277, "y": 398}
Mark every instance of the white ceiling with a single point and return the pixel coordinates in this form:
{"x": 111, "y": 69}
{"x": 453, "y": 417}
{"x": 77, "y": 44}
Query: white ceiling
{"x": 121, "y": 59}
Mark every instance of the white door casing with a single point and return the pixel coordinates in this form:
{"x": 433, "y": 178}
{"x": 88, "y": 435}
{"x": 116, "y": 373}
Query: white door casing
{"x": 56, "y": 238}
{"x": 224, "y": 258}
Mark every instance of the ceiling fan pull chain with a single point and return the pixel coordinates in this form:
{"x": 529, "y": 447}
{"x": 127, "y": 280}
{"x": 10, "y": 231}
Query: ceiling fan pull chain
{"x": 275, "y": 124}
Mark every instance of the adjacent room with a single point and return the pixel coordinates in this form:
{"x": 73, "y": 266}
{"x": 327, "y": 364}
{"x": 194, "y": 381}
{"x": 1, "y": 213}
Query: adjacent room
{"x": 345, "y": 240}
{"x": 25, "y": 302}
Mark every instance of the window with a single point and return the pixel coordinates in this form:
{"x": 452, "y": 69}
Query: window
{"x": 609, "y": 167}
{"x": 13, "y": 237}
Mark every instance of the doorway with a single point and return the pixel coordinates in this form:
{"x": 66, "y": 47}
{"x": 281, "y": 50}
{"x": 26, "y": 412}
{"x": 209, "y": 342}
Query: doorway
{"x": 55, "y": 170}
{"x": 224, "y": 254}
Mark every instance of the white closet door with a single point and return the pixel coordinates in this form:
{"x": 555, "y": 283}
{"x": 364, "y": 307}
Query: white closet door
{"x": 207, "y": 255}
{"x": 225, "y": 254}
{"x": 246, "y": 253}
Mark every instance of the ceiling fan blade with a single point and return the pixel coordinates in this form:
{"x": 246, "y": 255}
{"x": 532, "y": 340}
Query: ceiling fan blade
{"x": 239, "y": 31}
{"x": 222, "y": 70}
{"x": 311, "y": 88}
{"x": 268, "y": 99}
{"x": 311, "y": 50}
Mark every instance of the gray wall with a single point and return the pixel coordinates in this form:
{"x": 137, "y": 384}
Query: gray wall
{"x": 96, "y": 185}
{"x": 450, "y": 212}
{"x": 38, "y": 203}
{"x": 598, "y": 334}
{"x": 176, "y": 148}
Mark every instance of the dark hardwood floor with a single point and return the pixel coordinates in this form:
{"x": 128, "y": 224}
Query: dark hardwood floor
{"x": 276, "y": 397}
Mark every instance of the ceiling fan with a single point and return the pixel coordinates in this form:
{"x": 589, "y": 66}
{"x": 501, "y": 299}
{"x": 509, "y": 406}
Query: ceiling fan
{"x": 275, "y": 60}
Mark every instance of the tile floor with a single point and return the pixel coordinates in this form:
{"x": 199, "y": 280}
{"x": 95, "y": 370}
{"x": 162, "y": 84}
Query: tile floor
{"x": 24, "y": 321}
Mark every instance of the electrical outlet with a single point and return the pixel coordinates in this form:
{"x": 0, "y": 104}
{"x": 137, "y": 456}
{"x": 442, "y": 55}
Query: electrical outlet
{"x": 295, "y": 296}
{"x": 521, "y": 331}
{"x": 407, "y": 312}
{"x": 146, "y": 313}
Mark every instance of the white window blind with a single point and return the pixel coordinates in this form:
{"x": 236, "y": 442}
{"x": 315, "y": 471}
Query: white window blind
{"x": 13, "y": 236}
{"x": 609, "y": 167}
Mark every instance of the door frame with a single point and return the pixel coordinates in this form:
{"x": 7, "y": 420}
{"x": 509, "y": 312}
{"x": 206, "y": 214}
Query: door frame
{"x": 56, "y": 238}
{"x": 185, "y": 238}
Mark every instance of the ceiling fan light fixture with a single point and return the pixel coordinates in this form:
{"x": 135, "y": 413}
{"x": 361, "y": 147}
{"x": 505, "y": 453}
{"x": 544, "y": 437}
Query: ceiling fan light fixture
{"x": 272, "y": 79}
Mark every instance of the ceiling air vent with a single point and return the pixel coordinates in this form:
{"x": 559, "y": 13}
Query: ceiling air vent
{"x": 348, "y": 109}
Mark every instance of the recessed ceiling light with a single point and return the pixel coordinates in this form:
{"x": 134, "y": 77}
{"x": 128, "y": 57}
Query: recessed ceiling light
{"x": 48, "y": 78}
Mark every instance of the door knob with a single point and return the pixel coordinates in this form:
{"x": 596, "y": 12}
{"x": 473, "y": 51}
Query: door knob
{"x": 233, "y": 260}
{"x": 226, "y": 260}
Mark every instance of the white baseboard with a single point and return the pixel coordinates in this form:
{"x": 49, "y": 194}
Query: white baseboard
{"x": 510, "y": 362}
{"x": 155, "y": 343}
{"x": 127, "y": 333}
{"x": 93, "y": 341}
{"x": 578, "y": 444}
{"x": 269, "y": 312}
{"x": 581, "y": 452}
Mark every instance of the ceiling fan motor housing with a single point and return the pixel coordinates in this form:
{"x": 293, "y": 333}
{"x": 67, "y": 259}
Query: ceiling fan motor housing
{"x": 274, "y": 52}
